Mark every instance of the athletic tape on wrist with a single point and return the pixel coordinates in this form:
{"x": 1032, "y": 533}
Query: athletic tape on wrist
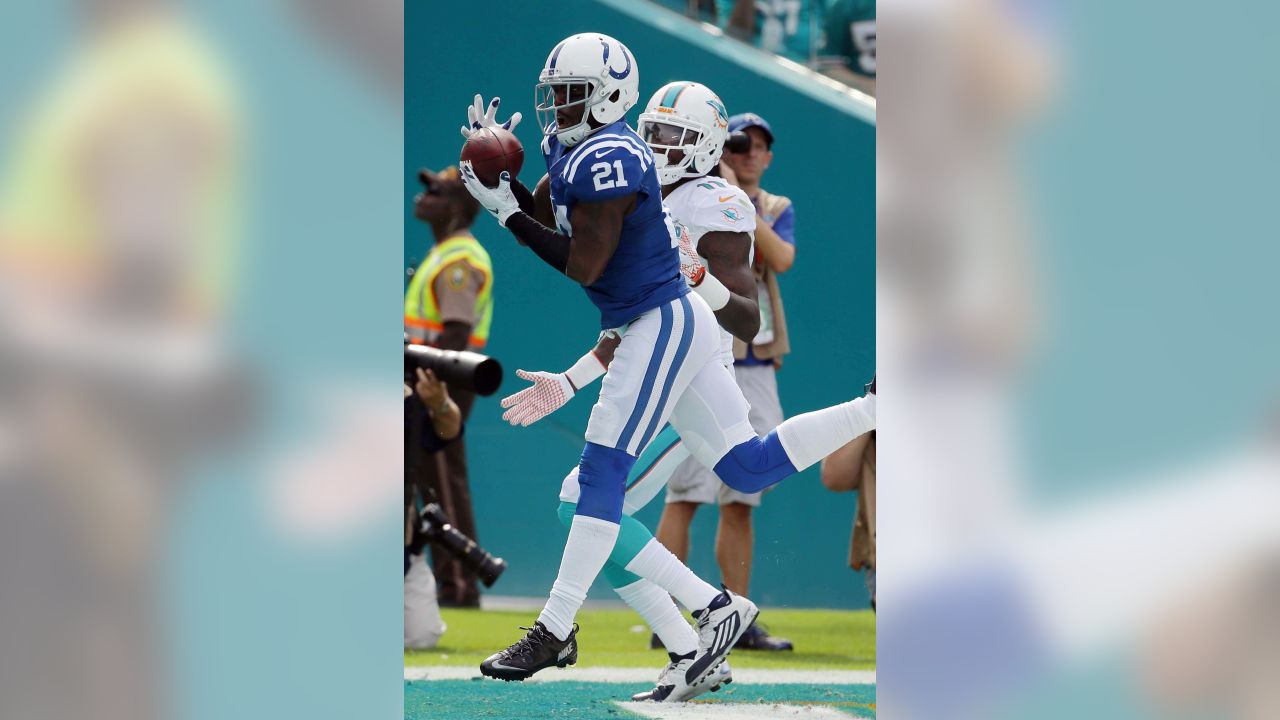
{"x": 585, "y": 371}
{"x": 713, "y": 291}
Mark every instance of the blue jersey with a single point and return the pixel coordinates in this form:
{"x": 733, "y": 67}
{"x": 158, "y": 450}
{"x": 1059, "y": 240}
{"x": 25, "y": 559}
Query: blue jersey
{"x": 644, "y": 271}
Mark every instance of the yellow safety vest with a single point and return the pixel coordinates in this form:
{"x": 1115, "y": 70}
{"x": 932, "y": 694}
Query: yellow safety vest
{"x": 157, "y": 67}
{"x": 422, "y": 322}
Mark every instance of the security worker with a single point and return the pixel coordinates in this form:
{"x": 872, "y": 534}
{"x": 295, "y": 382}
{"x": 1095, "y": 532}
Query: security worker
{"x": 449, "y": 305}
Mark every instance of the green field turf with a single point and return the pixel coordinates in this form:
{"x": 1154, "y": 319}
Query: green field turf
{"x": 824, "y": 639}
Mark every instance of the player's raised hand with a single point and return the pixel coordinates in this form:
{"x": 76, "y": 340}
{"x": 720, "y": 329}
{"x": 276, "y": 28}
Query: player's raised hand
{"x": 499, "y": 201}
{"x": 549, "y": 392}
{"x": 478, "y": 118}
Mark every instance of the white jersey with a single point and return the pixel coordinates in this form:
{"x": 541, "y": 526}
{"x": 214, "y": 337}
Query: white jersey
{"x": 710, "y": 204}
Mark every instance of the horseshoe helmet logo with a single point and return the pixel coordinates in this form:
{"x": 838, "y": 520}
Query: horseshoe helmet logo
{"x": 612, "y": 73}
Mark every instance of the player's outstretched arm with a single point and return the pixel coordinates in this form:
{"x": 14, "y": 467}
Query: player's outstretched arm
{"x": 597, "y": 230}
{"x": 729, "y": 286}
{"x": 582, "y": 257}
{"x": 550, "y": 391}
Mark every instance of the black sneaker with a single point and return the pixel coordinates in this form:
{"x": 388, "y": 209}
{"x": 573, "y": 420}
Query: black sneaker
{"x": 757, "y": 638}
{"x": 533, "y": 652}
{"x": 655, "y": 643}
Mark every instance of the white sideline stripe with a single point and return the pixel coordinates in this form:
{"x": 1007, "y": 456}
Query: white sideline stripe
{"x": 731, "y": 711}
{"x": 779, "y": 69}
{"x": 648, "y": 675}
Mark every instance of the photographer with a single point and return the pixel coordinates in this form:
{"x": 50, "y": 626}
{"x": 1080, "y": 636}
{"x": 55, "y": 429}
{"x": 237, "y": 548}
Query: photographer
{"x": 434, "y": 419}
{"x": 448, "y": 305}
{"x": 427, "y": 404}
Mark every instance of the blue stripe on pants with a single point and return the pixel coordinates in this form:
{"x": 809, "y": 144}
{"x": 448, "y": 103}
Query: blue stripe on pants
{"x": 686, "y": 339}
{"x": 651, "y": 374}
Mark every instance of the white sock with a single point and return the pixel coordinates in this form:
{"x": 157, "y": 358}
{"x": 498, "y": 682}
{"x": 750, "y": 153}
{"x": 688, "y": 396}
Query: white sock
{"x": 812, "y": 436}
{"x": 656, "y": 564}
{"x": 655, "y": 606}
{"x": 585, "y": 553}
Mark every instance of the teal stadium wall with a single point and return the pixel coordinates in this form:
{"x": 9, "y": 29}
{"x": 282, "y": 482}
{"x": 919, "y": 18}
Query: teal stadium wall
{"x": 824, "y": 160}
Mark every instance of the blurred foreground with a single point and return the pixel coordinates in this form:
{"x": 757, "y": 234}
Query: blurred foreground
{"x": 1080, "y": 486}
{"x": 197, "y": 477}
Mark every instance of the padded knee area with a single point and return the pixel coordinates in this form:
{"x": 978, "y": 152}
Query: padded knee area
{"x": 602, "y": 481}
{"x": 755, "y": 464}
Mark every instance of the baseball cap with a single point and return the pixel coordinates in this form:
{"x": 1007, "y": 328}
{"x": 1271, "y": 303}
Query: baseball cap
{"x": 742, "y": 121}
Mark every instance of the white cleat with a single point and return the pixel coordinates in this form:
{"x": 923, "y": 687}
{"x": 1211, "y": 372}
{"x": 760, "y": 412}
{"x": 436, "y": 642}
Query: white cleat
{"x": 672, "y": 687}
{"x": 720, "y": 624}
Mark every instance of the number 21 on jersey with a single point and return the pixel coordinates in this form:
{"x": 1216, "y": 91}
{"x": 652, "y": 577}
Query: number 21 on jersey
{"x": 608, "y": 176}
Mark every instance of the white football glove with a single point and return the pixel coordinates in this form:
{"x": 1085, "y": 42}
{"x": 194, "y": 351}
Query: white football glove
{"x": 549, "y": 392}
{"x": 478, "y": 118}
{"x": 499, "y": 201}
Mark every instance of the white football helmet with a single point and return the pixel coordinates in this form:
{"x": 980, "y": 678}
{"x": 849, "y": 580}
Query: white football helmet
{"x": 684, "y": 116}
{"x": 591, "y": 70}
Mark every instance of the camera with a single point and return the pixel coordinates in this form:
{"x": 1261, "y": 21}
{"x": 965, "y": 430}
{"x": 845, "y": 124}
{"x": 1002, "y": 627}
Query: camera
{"x": 738, "y": 142}
{"x": 437, "y": 528}
{"x": 478, "y": 373}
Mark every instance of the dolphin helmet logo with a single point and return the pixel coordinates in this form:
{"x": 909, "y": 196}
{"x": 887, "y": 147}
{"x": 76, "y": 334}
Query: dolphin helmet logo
{"x": 722, "y": 115}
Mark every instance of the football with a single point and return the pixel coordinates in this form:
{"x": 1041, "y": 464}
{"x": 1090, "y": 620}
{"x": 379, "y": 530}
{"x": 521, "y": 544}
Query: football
{"x": 492, "y": 150}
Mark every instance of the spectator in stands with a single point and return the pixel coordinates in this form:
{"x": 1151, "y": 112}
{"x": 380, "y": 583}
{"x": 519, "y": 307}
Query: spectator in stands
{"x": 851, "y": 37}
{"x": 692, "y": 484}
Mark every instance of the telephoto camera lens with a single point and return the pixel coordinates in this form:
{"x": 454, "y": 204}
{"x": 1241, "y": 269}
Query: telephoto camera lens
{"x": 738, "y": 142}
{"x": 478, "y": 373}
{"x": 436, "y": 526}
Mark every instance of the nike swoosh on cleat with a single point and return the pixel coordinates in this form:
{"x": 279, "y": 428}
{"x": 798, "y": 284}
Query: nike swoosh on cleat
{"x": 726, "y": 198}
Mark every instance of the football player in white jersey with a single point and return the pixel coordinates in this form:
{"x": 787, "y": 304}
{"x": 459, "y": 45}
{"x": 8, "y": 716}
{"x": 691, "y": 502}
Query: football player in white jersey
{"x": 685, "y": 124}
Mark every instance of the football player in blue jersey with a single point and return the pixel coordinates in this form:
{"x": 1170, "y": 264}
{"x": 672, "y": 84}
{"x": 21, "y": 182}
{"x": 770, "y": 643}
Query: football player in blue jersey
{"x": 614, "y": 238}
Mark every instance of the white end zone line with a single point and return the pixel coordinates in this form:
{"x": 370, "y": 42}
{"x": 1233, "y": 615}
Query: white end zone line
{"x": 648, "y": 675}
{"x": 731, "y": 711}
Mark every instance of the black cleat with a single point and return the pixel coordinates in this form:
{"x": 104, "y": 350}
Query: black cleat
{"x": 655, "y": 643}
{"x": 537, "y": 650}
{"x": 757, "y": 638}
